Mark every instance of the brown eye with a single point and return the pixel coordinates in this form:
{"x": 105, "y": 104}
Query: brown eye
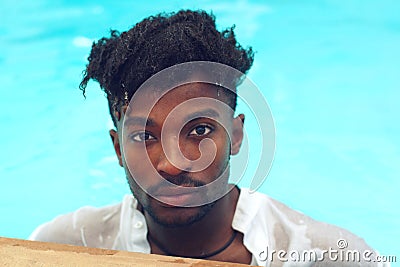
{"x": 141, "y": 137}
{"x": 201, "y": 130}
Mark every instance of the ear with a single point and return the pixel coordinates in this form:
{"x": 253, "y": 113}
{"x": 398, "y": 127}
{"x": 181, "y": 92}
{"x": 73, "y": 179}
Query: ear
{"x": 237, "y": 134}
{"x": 116, "y": 145}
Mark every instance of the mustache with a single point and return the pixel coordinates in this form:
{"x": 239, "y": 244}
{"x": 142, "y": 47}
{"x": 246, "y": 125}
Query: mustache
{"x": 180, "y": 180}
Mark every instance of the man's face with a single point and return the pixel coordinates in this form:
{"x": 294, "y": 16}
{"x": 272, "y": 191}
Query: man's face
{"x": 185, "y": 140}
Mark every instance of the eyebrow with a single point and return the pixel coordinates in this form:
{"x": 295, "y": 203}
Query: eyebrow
{"x": 207, "y": 113}
{"x": 141, "y": 121}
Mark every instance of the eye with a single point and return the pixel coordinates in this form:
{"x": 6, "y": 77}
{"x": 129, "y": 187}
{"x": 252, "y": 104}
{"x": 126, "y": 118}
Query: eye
{"x": 201, "y": 130}
{"x": 141, "y": 137}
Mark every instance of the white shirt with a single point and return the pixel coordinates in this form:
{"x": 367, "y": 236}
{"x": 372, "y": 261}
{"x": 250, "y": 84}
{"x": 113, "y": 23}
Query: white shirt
{"x": 275, "y": 234}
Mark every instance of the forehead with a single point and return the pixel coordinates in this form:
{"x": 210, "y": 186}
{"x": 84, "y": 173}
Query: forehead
{"x": 188, "y": 97}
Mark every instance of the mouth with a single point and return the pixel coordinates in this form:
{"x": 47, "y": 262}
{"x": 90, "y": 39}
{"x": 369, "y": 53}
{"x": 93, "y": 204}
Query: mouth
{"x": 179, "y": 196}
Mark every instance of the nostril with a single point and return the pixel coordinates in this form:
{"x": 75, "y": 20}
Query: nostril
{"x": 166, "y": 166}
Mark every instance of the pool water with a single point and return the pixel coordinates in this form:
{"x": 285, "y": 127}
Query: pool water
{"x": 328, "y": 69}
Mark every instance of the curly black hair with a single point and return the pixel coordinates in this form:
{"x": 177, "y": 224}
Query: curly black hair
{"x": 122, "y": 62}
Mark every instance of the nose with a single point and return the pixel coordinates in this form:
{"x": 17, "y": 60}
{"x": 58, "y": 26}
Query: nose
{"x": 171, "y": 160}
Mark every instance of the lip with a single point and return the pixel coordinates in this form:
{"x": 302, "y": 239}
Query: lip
{"x": 176, "y": 196}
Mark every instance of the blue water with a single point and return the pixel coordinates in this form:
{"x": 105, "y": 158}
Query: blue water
{"x": 329, "y": 70}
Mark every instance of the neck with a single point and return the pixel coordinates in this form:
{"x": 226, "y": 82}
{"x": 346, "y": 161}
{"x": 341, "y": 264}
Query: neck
{"x": 204, "y": 236}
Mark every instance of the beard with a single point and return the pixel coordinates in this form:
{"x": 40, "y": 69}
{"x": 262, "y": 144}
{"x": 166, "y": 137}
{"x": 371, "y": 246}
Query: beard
{"x": 176, "y": 216}
{"x": 181, "y": 219}
{"x": 167, "y": 215}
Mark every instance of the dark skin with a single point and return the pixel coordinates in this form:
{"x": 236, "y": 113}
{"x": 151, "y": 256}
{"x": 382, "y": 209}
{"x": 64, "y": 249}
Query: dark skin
{"x": 185, "y": 231}
{"x": 209, "y": 234}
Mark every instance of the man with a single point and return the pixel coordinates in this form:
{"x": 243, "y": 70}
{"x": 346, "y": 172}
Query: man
{"x": 175, "y": 134}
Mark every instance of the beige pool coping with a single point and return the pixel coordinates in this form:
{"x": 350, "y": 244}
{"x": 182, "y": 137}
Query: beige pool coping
{"x": 17, "y": 252}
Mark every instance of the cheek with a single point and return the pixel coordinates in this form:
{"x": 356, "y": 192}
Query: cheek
{"x": 221, "y": 160}
{"x": 190, "y": 149}
{"x": 223, "y": 153}
{"x": 140, "y": 164}
{"x": 213, "y": 152}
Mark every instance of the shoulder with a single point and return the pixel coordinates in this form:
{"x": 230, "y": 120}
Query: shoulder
{"x": 319, "y": 234}
{"x": 87, "y": 226}
{"x": 290, "y": 230}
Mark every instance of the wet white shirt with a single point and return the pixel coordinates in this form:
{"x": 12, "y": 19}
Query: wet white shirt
{"x": 275, "y": 234}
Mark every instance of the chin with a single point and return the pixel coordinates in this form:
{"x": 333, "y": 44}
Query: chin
{"x": 177, "y": 216}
